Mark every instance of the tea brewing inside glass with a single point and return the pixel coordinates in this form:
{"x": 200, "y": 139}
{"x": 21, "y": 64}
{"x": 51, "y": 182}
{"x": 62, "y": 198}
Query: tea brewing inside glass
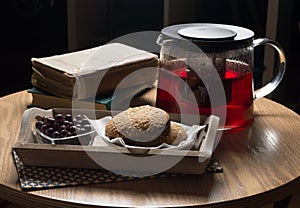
{"x": 194, "y": 57}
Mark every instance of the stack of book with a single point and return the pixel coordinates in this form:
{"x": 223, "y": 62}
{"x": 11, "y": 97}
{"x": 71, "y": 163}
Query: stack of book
{"x": 112, "y": 75}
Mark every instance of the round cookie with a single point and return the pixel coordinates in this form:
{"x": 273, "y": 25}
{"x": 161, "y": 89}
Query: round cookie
{"x": 175, "y": 135}
{"x": 140, "y": 126}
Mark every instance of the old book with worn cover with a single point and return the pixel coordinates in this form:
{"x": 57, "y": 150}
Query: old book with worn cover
{"x": 94, "y": 72}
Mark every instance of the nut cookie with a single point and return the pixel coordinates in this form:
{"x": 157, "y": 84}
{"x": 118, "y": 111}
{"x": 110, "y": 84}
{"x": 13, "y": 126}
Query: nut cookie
{"x": 175, "y": 135}
{"x": 140, "y": 126}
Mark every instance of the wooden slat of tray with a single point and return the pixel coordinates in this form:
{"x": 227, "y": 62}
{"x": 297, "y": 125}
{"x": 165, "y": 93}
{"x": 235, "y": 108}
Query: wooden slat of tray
{"x": 75, "y": 156}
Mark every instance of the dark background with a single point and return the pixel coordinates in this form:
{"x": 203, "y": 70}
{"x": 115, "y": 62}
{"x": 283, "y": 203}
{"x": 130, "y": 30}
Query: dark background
{"x": 37, "y": 28}
{"x": 29, "y": 29}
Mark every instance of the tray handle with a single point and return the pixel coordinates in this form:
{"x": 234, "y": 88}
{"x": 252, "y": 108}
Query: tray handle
{"x": 27, "y": 119}
{"x": 207, "y": 138}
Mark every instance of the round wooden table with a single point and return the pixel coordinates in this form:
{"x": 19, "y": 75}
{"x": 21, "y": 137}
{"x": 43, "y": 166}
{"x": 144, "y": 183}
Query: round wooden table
{"x": 261, "y": 166}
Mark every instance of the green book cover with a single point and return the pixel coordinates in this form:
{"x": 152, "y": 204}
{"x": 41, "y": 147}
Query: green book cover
{"x": 105, "y": 100}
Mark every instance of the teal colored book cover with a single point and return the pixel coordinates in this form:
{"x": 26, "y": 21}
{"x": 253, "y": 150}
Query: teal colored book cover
{"x": 106, "y": 100}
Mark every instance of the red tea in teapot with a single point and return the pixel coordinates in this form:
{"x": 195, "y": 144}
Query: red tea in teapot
{"x": 173, "y": 97}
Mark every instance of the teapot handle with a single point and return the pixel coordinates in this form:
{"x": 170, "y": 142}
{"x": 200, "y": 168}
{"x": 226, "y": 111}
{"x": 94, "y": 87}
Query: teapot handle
{"x": 269, "y": 87}
{"x": 159, "y": 40}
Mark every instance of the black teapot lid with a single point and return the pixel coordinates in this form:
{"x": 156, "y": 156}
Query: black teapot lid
{"x": 210, "y": 37}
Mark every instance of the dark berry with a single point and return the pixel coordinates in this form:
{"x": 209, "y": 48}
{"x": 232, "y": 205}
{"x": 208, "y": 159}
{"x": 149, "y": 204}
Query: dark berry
{"x": 44, "y": 127}
{"x": 79, "y": 117}
{"x": 69, "y": 134}
{"x": 87, "y": 127}
{"x": 62, "y": 127}
{"x": 49, "y": 131}
{"x": 56, "y": 134}
{"x": 72, "y": 129}
{"x": 84, "y": 122}
{"x": 68, "y": 117}
{"x": 80, "y": 131}
{"x": 44, "y": 119}
{"x": 56, "y": 126}
{"x": 59, "y": 118}
{"x": 50, "y": 121}
{"x": 64, "y": 133}
{"x": 66, "y": 123}
{"x": 75, "y": 122}
{"x": 39, "y": 124}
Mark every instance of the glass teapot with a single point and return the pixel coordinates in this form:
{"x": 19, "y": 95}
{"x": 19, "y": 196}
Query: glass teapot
{"x": 208, "y": 69}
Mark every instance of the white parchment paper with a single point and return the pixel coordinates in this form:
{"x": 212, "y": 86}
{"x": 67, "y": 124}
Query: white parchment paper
{"x": 99, "y": 126}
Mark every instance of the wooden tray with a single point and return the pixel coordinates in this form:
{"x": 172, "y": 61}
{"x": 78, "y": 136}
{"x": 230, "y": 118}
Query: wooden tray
{"x": 32, "y": 153}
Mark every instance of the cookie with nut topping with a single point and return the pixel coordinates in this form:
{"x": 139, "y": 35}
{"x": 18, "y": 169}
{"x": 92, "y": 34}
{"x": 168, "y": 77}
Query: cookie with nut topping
{"x": 144, "y": 126}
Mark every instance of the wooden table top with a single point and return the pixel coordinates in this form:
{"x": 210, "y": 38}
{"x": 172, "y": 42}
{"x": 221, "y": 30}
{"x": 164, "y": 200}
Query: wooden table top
{"x": 261, "y": 165}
